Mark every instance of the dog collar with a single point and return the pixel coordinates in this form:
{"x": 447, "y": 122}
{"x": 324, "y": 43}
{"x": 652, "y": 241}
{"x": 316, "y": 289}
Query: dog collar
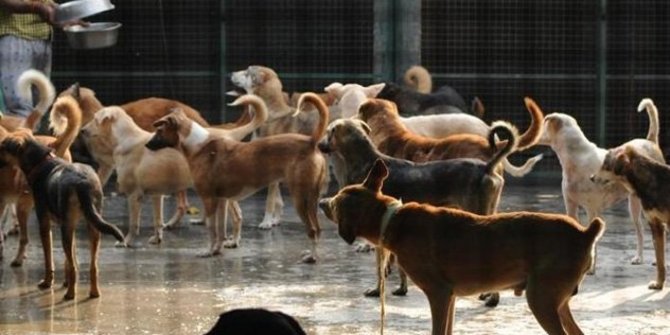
{"x": 30, "y": 177}
{"x": 391, "y": 209}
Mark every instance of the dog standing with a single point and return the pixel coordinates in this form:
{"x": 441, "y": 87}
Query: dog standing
{"x": 580, "y": 159}
{"x": 63, "y": 192}
{"x": 649, "y": 180}
{"x": 225, "y": 168}
{"x": 444, "y": 250}
{"x": 469, "y": 184}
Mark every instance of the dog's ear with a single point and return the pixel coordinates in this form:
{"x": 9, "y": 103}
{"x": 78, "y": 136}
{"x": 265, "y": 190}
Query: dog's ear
{"x": 376, "y": 176}
{"x": 621, "y": 163}
{"x": 76, "y": 90}
{"x": 336, "y": 89}
{"x": 372, "y": 90}
{"x": 364, "y": 126}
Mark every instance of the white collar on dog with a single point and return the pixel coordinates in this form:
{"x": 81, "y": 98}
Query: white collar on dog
{"x": 391, "y": 209}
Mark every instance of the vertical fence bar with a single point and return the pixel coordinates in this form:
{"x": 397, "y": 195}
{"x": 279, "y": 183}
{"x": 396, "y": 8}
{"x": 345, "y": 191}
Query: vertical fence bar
{"x": 407, "y": 18}
{"x": 223, "y": 75}
{"x": 601, "y": 92}
{"x": 383, "y": 55}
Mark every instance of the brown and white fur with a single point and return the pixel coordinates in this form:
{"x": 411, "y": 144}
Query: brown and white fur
{"x": 581, "y": 158}
{"x": 62, "y": 192}
{"x": 265, "y": 83}
{"x": 393, "y": 139}
{"x": 225, "y": 168}
{"x": 351, "y": 96}
{"x": 444, "y": 250}
{"x": 649, "y": 180}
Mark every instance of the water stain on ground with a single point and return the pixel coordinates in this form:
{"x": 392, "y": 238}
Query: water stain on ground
{"x": 167, "y": 289}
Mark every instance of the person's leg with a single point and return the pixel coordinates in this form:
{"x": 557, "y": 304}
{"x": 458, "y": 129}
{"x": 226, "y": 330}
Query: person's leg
{"x": 16, "y": 56}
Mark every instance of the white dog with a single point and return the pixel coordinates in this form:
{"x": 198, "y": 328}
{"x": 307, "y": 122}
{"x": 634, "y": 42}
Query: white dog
{"x": 580, "y": 158}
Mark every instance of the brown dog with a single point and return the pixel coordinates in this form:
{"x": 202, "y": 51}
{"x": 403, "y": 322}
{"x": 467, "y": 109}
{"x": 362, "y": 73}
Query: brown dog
{"x": 63, "y": 192}
{"x": 394, "y": 139}
{"x": 445, "y": 250}
{"x": 225, "y": 168}
{"x": 649, "y": 180}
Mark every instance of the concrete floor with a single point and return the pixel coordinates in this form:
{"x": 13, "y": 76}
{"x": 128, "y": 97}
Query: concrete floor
{"x": 167, "y": 289}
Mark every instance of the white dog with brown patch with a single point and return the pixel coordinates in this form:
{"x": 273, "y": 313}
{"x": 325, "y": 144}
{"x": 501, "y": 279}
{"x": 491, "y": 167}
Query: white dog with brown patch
{"x": 580, "y": 158}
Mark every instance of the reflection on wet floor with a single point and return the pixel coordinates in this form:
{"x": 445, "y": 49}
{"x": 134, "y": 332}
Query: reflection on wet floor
{"x": 167, "y": 289}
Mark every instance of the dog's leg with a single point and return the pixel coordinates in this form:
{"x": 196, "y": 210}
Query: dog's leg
{"x": 305, "y": 202}
{"x": 273, "y": 207}
{"x": 568, "y": 321}
{"x": 544, "y": 303}
{"x": 658, "y": 235}
{"x": 236, "y": 212}
{"x": 157, "y": 204}
{"x": 23, "y": 208}
{"x": 451, "y": 314}
{"x": 104, "y": 172}
{"x": 94, "y": 241}
{"x": 134, "y": 208}
{"x": 635, "y": 210}
{"x": 381, "y": 255}
{"x": 571, "y": 207}
{"x": 4, "y": 206}
{"x": 182, "y": 207}
{"x": 67, "y": 235}
{"x": 590, "y": 215}
{"x": 9, "y": 215}
{"x": 402, "y": 290}
{"x": 440, "y": 301}
{"x": 210, "y": 205}
{"x": 45, "y": 237}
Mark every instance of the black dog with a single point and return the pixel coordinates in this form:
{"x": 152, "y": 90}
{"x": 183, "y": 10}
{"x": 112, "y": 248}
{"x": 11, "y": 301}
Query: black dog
{"x": 444, "y": 100}
{"x": 256, "y": 321}
{"x": 62, "y": 191}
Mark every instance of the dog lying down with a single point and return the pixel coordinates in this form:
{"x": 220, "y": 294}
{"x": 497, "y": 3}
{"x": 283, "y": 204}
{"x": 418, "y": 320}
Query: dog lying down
{"x": 63, "y": 192}
{"x": 255, "y": 321}
{"x": 450, "y": 253}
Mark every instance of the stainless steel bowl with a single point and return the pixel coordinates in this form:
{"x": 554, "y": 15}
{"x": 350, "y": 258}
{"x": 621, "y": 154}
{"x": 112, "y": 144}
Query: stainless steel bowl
{"x": 95, "y": 36}
{"x": 79, "y": 9}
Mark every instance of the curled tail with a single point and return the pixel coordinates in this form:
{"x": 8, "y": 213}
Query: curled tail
{"x": 418, "y": 78}
{"x": 652, "y": 111}
{"x": 511, "y": 134}
{"x": 314, "y": 99}
{"x": 91, "y": 214}
{"x": 65, "y": 120}
{"x": 45, "y": 89}
{"x": 260, "y": 113}
{"x": 532, "y": 135}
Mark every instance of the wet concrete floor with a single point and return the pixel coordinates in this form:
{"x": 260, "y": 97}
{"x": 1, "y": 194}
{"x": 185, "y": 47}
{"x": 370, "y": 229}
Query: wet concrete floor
{"x": 167, "y": 289}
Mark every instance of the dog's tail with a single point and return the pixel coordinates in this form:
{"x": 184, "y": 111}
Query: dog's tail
{"x": 65, "y": 120}
{"x": 315, "y": 100}
{"x": 45, "y": 89}
{"x": 260, "y": 113}
{"x": 91, "y": 214}
{"x": 532, "y": 135}
{"x": 509, "y": 133}
{"x": 520, "y": 171}
{"x": 652, "y": 111}
{"x": 418, "y": 78}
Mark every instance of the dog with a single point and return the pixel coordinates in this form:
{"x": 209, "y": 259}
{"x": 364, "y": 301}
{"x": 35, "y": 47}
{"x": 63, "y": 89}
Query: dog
{"x": 247, "y": 321}
{"x": 648, "y": 180}
{"x": 230, "y": 169}
{"x": 419, "y": 79}
{"x": 444, "y": 100}
{"x": 265, "y": 83}
{"x": 63, "y": 192}
{"x": 393, "y": 139}
{"x": 444, "y": 250}
{"x": 580, "y": 159}
{"x": 15, "y": 193}
{"x": 469, "y": 184}
{"x": 350, "y": 97}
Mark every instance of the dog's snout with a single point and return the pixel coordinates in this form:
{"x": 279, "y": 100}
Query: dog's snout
{"x": 324, "y": 204}
{"x": 593, "y": 178}
{"x": 324, "y": 147}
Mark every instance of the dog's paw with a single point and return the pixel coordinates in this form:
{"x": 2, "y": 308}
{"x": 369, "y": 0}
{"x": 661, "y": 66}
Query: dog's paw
{"x": 400, "y": 291}
{"x": 636, "y": 260}
{"x": 363, "y": 247}
{"x": 13, "y": 231}
{"x": 45, "y": 284}
{"x": 492, "y": 300}
{"x": 266, "y": 225}
{"x": 68, "y": 296}
{"x": 372, "y": 293}
{"x": 654, "y": 285}
{"x": 122, "y": 244}
{"x": 94, "y": 295}
{"x": 17, "y": 262}
{"x": 156, "y": 239}
{"x": 209, "y": 253}
{"x": 308, "y": 257}
{"x": 231, "y": 244}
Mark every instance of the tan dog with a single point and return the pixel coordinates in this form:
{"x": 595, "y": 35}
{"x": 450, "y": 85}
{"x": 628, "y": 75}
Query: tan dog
{"x": 63, "y": 192}
{"x": 444, "y": 250}
{"x": 225, "y": 168}
{"x": 265, "y": 83}
{"x": 649, "y": 180}
{"x": 393, "y": 139}
{"x": 580, "y": 159}
{"x": 14, "y": 190}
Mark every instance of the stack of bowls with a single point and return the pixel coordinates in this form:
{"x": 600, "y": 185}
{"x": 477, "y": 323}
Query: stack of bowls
{"x": 94, "y": 35}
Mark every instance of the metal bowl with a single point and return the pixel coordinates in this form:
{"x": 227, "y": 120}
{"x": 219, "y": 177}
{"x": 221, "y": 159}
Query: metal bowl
{"x": 94, "y": 36}
{"x": 79, "y": 9}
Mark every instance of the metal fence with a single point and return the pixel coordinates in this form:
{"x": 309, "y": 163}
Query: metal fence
{"x": 592, "y": 59}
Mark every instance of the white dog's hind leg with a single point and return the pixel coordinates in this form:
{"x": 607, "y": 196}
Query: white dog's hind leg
{"x": 590, "y": 215}
{"x": 134, "y": 208}
{"x": 157, "y": 204}
{"x": 182, "y": 206}
{"x": 236, "y": 212}
{"x": 635, "y": 210}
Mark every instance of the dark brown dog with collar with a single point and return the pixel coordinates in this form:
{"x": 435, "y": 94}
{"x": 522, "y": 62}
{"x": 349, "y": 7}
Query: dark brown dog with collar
{"x": 649, "y": 180}
{"x": 450, "y": 253}
{"x": 63, "y": 192}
